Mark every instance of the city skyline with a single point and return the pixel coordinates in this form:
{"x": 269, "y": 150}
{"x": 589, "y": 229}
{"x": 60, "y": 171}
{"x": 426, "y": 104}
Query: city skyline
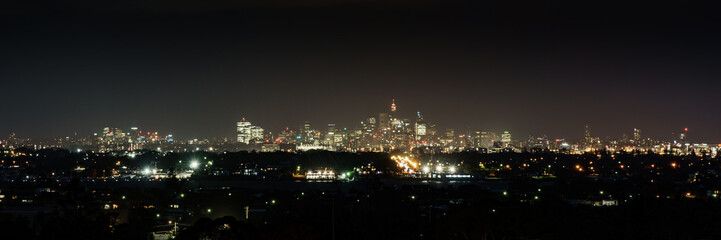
{"x": 578, "y": 136}
{"x": 360, "y": 119}
{"x": 391, "y": 108}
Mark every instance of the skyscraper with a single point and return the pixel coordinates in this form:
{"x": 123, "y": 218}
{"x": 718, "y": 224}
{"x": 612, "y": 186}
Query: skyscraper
{"x": 243, "y": 130}
{"x": 247, "y": 133}
{"x": 587, "y": 134}
{"x": 256, "y": 133}
{"x": 506, "y": 138}
{"x": 636, "y": 135}
{"x": 384, "y": 121}
{"x": 421, "y": 127}
{"x": 683, "y": 136}
{"x": 306, "y": 133}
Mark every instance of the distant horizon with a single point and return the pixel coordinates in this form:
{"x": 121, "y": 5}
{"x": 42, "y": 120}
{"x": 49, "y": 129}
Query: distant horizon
{"x": 322, "y": 128}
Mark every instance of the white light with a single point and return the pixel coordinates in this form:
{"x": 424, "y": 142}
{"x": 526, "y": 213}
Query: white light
{"x": 426, "y": 169}
{"x": 194, "y": 164}
{"x": 452, "y": 169}
{"x": 146, "y": 171}
{"x": 439, "y": 169}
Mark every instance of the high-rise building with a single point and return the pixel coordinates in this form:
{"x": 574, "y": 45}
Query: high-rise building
{"x": 636, "y": 135}
{"x": 538, "y": 142}
{"x": 487, "y": 139}
{"x": 420, "y": 131}
{"x": 247, "y": 133}
{"x": 393, "y": 106}
{"x": 506, "y": 138}
{"x": 477, "y": 138}
{"x": 306, "y": 133}
{"x": 331, "y": 128}
{"x": 369, "y": 125}
{"x": 384, "y": 121}
{"x": 421, "y": 127}
{"x": 244, "y": 132}
{"x": 683, "y": 136}
{"x": 330, "y": 134}
{"x": 256, "y": 134}
{"x": 587, "y": 134}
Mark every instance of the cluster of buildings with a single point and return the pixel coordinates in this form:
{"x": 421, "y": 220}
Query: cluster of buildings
{"x": 386, "y": 131}
{"x": 114, "y": 139}
{"x": 389, "y": 131}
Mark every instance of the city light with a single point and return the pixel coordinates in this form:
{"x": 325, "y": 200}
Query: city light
{"x": 405, "y": 164}
{"x": 279, "y": 120}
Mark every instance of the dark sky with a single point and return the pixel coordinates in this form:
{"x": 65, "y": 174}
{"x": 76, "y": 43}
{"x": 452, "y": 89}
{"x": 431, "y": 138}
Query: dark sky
{"x": 193, "y": 69}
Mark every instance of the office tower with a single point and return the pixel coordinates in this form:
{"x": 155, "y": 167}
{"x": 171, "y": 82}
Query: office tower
{"x": 587, "y": 134}
{"x": 421, "y": 127}
{"x": 257, "y": 134}
{"x": 330, "y": 134}
{"x": 369, "y": 125}
{"x": 636, "y": 135}
{"x": 420, "y": 131}
{"x": 306, "y": 133}
{"x": 506, "y": 138}
{"x": 384, "y": 121}
{"x": 487, "y": 139}
{"x": 331, "y": 128}
{"x": 244, "y": 131}
{"x": 476, "y": 139}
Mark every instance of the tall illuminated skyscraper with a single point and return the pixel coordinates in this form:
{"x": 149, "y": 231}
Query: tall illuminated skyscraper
{"x": 421, "y": 127}
{"x": 587, "y": 134}
{"x": 256, "y": 133}
{"x": 306, "y": 133}
{"x": 243, "y": 130}
{"x": 636, "y": 135}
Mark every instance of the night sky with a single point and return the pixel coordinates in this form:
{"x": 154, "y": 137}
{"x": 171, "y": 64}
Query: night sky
{"x": 193, "y": 69}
